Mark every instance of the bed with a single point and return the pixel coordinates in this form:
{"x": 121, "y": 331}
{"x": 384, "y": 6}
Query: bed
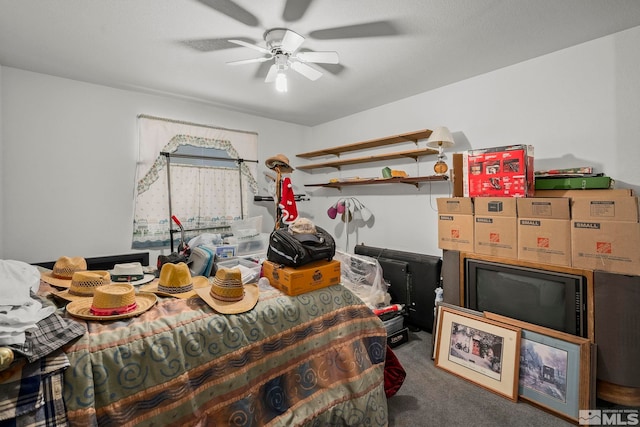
{"x": 314, "y": 359}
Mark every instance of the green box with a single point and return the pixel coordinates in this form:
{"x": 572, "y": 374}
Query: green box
{"x": 579, "y": 183}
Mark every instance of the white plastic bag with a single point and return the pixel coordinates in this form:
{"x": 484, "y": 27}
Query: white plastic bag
{"x": 363, "y": 276}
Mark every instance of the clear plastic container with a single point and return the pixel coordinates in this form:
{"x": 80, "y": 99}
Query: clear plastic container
{"x": 394, "y": 324}
{"x": 251, "y": 245}
{"x": 250, "y": 270}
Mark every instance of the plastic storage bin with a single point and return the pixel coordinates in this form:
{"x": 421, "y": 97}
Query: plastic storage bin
{"x": 393, "y": 325}
{"x": 250, "y": 270}
{"x": 251, "y": 245}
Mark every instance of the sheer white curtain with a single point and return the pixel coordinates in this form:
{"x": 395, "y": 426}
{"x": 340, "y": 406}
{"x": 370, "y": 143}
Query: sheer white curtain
{"x": 204, "y": 193}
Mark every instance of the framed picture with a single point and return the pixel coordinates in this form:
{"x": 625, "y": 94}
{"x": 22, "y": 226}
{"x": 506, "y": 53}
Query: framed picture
{"x": 556, "y": 369}
{"x": 480, "y": 350}
{"x": 434, "y": 332}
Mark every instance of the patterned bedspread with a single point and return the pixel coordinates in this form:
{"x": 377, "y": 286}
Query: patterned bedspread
{"x": 315, "y": 359}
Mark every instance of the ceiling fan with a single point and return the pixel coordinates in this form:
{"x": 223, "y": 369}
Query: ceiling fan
{"x": 282, "y": 47}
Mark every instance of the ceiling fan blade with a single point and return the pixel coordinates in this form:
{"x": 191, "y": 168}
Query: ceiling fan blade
{"x": 251, "y": 46}
{"x": 208, "y": 45}
{"x": 370, "y": 29}
{"x": 294, "y": 10}
{"x": 233, "y": 11}
{"x": 306, "y": 70}
{"x": 249, "y": 61}
{"x": 271, "y": 75}
{"x": 291, "y": 41}
{"x": 319, "y": 57}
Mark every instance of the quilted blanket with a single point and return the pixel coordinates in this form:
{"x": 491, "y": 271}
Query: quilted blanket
{"x": 314, "y": 359}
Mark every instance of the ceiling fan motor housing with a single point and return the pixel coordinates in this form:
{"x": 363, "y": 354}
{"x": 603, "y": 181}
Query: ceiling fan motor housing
{"x": 274, "y": 38}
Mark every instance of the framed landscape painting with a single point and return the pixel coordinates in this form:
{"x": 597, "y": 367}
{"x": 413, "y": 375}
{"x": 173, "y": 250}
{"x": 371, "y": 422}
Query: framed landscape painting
{"x": 480, "y": 350}
{"x": 555, "y": 369}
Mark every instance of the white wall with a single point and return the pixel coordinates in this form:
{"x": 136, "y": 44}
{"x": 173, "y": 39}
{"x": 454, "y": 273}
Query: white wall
{"x": 69, "y": 148}
{"x": 1, "y": 174}
{"x": 70, "y": 152}
{"x": 579, "y": 106}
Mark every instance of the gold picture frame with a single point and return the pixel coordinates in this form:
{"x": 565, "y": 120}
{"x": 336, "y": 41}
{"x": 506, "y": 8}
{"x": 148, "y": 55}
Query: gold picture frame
{"x": 556, "y": 369}
{"x": 479, "y": 350}
{"x": 435, "y": 330}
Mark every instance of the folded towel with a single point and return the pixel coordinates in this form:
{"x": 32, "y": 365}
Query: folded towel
{"x": 17, "y": 280}
{"x": 15, "y": 320}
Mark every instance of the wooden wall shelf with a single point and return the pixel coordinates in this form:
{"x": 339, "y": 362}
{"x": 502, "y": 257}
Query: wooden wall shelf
{"x": 414, "y": 154}
{"x": 373, "y": 143}
{"x": 402, "y": 180}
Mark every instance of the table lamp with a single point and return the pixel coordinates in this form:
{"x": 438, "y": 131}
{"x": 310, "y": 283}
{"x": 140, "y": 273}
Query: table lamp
{"x": 440, "y": 138}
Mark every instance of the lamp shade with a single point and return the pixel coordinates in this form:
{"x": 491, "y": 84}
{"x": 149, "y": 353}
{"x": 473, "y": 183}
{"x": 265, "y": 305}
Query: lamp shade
{"x": 440, "y": 137}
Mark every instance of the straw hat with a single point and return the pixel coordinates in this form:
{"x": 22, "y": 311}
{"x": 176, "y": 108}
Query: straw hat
{"x": 83, "y": 283}
{"x": 302, "y": 226}
{"x": 112, "y": 302}
{"x": 130, "y": 272}
{"x": 63, "y": 271}
{"x": 227, "y": 294}
{"x": 281, "y": 161}
{"x": 176, "y": 281}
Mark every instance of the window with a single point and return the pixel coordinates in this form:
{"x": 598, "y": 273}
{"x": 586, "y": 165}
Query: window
{"x": 211, "y": 172}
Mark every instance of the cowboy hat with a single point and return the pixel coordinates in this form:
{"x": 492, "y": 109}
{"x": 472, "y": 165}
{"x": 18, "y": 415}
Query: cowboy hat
{"x": 281, "y": 161}
{"x": 83, "y": 284}
{"x": 112, "y": 302}
{"x": 176, "y": 281}
{"x": 63, "y": 271}
{"x": 130, "y": 272}
{"x": 227, "y": 294}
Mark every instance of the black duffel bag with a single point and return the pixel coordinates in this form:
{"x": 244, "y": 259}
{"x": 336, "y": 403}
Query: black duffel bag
{"x": 295, "y": 249}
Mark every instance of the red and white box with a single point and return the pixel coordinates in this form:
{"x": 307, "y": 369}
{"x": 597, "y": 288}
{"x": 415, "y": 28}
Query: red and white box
{"x": 505, "y": 171}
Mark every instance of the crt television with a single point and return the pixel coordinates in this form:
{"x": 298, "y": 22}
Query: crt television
{"x": 551, "y": 299}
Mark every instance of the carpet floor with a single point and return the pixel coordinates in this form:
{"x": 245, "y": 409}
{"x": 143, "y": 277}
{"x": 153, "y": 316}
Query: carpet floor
{"x": 431, "y": 396}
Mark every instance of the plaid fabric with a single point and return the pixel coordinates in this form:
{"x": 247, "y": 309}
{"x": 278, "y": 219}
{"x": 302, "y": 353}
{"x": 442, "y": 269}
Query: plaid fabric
{"x": 51, "y": 333}
{"x": 32, "y": 396}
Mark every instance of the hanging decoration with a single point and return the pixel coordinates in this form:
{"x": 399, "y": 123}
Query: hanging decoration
{"x": 350, "y": 210}
{"x": 287, "y": 202}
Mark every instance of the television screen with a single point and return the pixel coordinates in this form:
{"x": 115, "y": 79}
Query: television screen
{"x": 546, "y": 298}
{"x": 415, "y": 286}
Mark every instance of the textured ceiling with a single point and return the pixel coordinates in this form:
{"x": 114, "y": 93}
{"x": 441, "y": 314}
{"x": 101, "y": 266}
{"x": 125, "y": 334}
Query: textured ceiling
{"x": 388, "y": 50}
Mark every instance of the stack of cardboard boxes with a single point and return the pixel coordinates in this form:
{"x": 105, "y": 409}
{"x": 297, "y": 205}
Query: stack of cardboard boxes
{"x": 595, "y": 231}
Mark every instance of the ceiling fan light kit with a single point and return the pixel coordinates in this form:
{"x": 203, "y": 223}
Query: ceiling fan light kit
{"x": 281, "y": 82}
{"x": 281, "y": 47}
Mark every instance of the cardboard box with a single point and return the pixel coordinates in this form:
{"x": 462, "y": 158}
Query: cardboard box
{"x": 545, "y": 208}
{"x": 296, "y": 281}
{"x": 495, "y": 206}
{"x": 573, "y": 183}
{"x": 544, "y": 230}
{"x": 605, "y": 209}
{"x": 612, "y": 246}
{"x": 505, "y": 171}
{"x": 455, "y": 205}
{"x": 495, "y": 227}
{"x": 545, "y": 240}
{"x": 455, "y": 224}
{"x": 457, "y": 174}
